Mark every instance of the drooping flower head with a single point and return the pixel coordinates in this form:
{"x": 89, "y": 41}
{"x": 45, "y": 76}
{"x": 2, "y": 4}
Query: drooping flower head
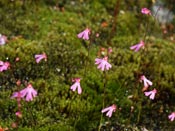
{"x": 109, "y": 110}
{"x": 172, "y": 116}
{"x": 29, "y": 93}
{"x": 84, "y": 34}
{"x": 146, "y": 11}
{"x": 103, "y": 63}
{"x": 151, "y": 94}
{"x": 4, "y": 66}
{"x": 76, "y": 85}
{"x": 146, "y": 82}
{"x": 3, "y": 39}
{"x": 39, "y": 57}
{"x": 137, "y": 46}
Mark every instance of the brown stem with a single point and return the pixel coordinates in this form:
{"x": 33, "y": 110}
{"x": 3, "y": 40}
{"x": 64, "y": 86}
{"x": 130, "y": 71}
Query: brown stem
{"x": 114, "y": 24}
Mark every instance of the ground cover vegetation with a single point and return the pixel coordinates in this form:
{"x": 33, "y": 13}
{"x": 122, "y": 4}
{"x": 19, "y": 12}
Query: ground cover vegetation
{"x": 45, "y": 58}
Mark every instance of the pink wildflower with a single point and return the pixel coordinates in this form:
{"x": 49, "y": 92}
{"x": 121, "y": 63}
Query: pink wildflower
{"x": 4, "y": 66}
{"x": 39, "y": 57}
{"x": 109, "y": 110}
{"x": 103, "y": 63}
{"x": 16, "y": 95}
{"x": 3, "y": 39}
{"x": 146, "y": 82}
{"x": 151, "y": 93}
{"x": 84, "y": 34}
{"x": 29, "y": 92}
{"x": 172, "y": 116}
{"x": 76, "y": 84}
{"x": 146, "y": 11}
{"x": 18, "y": 114}
{"x": 137, "y": 46}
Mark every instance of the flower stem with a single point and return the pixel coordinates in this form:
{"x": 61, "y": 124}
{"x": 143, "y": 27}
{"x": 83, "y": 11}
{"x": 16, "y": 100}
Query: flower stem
{"x": 86, "y": 63}
{"x": 104, "y": 93}
{"x": 114, "y": 23}
{"x": 147, "y": 33}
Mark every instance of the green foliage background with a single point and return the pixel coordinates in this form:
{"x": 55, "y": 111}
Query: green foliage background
{"x": 34, "y": 27}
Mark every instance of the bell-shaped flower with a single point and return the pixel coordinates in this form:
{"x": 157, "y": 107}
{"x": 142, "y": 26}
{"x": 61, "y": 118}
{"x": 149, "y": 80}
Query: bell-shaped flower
{"x": 3, "y": 39}
{"x": 146, "y": 82}
{"x": 146, "y": 11}
{"x": 4, "y": 66}
{"x": 109, "y": 110}
{"x": 39, "y": 57}
{"x": 137, "y": 46}
{"x": 103, "y": 63}
{"x": 29, "y": 93}
{"x": 76, "y": 85}
{"x": 172, "y": 116}
{"x": 151, "y": 94}
{"x": 84, "y": 34}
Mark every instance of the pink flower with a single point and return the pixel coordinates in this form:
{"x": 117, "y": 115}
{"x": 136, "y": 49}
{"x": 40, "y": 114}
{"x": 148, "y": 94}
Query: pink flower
{"x": 103, "y": 63}
{"x": 4, "y": 66}
{"x": 75, "y": 85}
{"x": 151, "y": 93}
{"x": 172, "y": 116}
{"x": 29, "y": 92}
{"x": 3, "y": 39}
{"x": 18, "y": 114}
{"x": 146, "y": 82}
{"x": 146, "y": 11}
{"x": 109, "y": 110}
{"x": 16, "y": 95}
{"x": 39, "y": 57}
{"x": 137, "y": 46}
{"x": 84, "y": 34}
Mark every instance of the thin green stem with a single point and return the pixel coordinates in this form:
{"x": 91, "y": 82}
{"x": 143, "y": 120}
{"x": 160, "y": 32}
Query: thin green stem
{"x": 104, "y": 94}
{"x": 139, "y": 113}
{"x": 147, "y": 33}
{"x": 86, "y": 61}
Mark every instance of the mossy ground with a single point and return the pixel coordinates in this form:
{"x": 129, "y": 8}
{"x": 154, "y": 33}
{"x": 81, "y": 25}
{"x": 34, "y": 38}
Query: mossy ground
{"x": 47, "y": 26}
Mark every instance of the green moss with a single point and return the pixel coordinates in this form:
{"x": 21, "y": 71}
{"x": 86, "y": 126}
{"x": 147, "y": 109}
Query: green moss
{"x": 38, "y": 27}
